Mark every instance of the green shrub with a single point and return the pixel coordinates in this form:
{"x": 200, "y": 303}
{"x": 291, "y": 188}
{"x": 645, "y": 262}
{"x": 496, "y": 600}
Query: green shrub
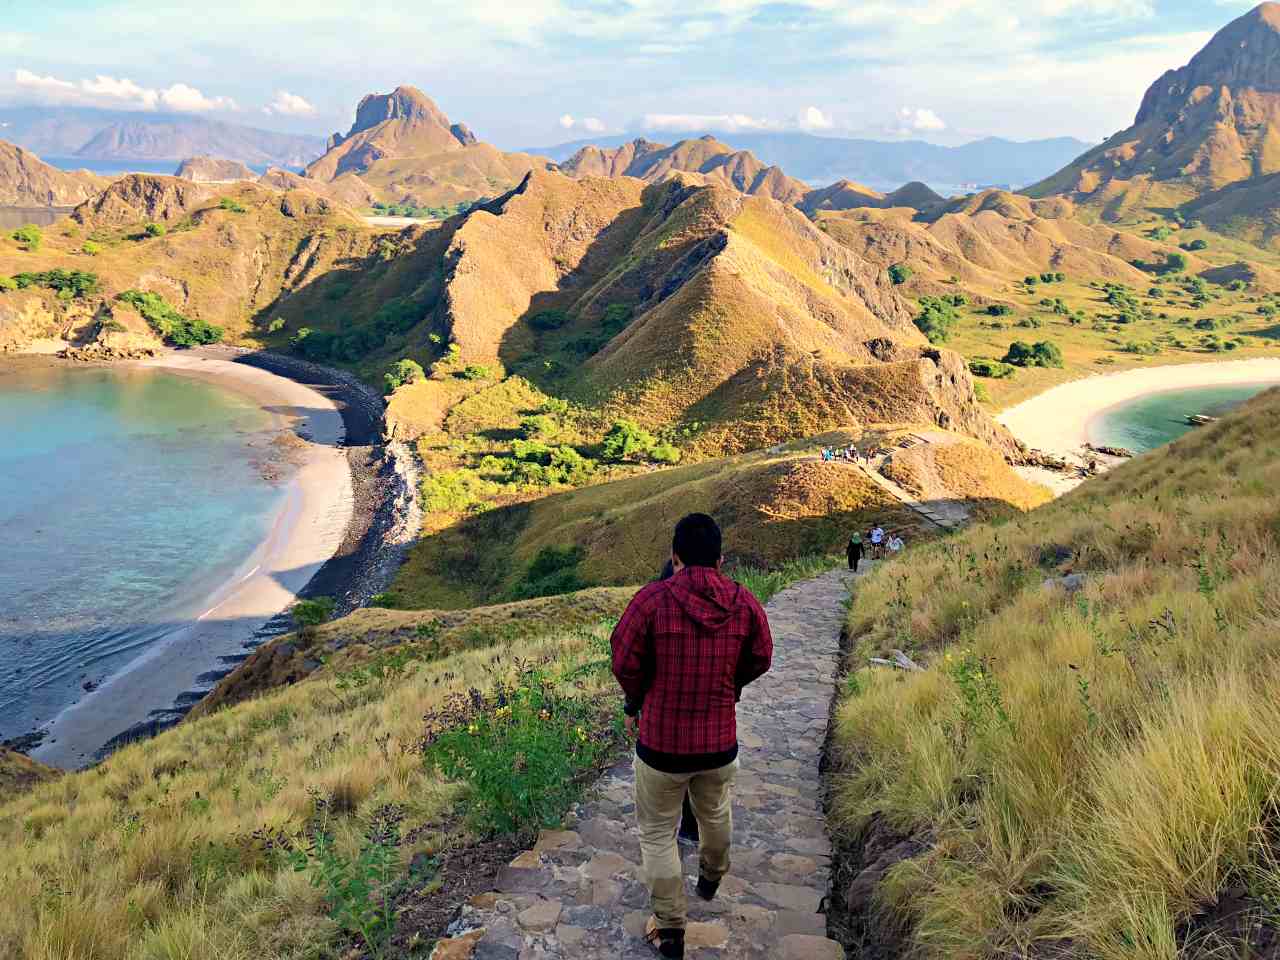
{"x": 402, "y": 372}
{"x": 987, "y": 367}
{"x": 476, "y": 371}
{"x": 168, "y": 323}
{"x": 664, "y": 453}
{"x": 999, "y": 310}
{"x": 309, "y": 614}
{"x": 1195, "y": 245}
{"x": 453, "y": 491}
{"x": 553, "y": 571}
{"x": 29, "y": 236}
{"x": 154, "y": 230}
{"x": 91, "y": 248}
{"x": 627, "y": 440}
{"x": 900, "y": 273}
{"x": 67, "y": 283}
{"x": 234, "y": 206}
{"x": 937, "y": 319}
{"x": 1143, "y": 348}
{"x": 525, "y": 748}
{"x": 546, "y": 320}
{"x": 539, "y": 427}
{"x": 8, "y": 283}
{"x": 1041, "y": 354}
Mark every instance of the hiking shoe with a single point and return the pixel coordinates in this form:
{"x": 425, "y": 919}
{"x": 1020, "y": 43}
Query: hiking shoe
{"x": 707, "y": 888}
{"x": 669, "y": 943}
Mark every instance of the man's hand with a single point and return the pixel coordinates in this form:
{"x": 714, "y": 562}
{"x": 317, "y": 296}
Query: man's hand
{"x": 632, "y": 726}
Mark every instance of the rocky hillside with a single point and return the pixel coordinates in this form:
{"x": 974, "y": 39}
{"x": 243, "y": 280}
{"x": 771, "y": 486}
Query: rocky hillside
{"x": 213, "y": 170}
{"x": 682, "y": 303}
{"x": 1214, "y": 122}
{"x": 221, "y": 254}
{"x": 707, "y": 157}
{"x": 405, "y": 148}
{"x": 27, "y": 181}
{"x": 991, "y": 238}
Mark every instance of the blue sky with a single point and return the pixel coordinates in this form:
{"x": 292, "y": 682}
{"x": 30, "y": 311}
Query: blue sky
{"x": 535, "y": 72}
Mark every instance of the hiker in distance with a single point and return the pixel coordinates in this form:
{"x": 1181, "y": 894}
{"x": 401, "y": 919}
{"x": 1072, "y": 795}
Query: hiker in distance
{"x": 682, "y": 653}
{"x": 854, "y": 551}
{"x": 877, "y": 542}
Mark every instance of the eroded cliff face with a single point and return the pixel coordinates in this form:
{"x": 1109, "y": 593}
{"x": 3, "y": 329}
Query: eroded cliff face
{"x": 27, "y": 181}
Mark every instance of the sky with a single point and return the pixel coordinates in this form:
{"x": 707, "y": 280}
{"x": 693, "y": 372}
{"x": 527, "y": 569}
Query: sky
{"x": 527, "y": 73}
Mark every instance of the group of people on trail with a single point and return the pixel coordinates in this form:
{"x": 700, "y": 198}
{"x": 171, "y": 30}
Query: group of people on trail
{"x": 878, "y": 543}
{"x": 849, "y": 454}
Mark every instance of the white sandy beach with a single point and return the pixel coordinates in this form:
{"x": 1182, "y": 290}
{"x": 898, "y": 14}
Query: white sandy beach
{"x": 307, "y": 531}
{"x": 1059, "y": 420}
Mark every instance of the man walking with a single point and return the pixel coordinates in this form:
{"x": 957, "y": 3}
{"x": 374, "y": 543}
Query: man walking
{"x": 682, "y": 653}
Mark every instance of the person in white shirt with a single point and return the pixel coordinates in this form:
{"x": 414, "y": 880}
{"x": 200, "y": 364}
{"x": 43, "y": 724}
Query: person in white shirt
{"x": 895, "y": 544}
{"x": 877, "y": 542}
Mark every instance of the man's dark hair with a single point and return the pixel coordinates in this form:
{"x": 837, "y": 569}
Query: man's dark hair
{"x": 697, "y": 541}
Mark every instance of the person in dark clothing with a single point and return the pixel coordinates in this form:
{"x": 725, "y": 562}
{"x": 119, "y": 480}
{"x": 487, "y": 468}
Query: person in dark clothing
{"x": 683, "y": 652}
{"x": 854, "y": 551}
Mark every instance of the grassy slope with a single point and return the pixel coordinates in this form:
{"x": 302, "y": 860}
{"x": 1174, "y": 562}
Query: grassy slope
{"x": 772, "y": 506}
{"x": 1135, "y": 778}
{"x": 153, "y": 854}
{"x": 992, "y": 273}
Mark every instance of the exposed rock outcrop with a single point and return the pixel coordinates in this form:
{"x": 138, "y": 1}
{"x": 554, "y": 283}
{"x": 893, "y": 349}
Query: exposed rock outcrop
{"x": 27, "y": 181}
{"x": 213, "y": 170}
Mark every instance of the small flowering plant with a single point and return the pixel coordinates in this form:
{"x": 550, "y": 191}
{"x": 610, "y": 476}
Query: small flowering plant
{"x": 525, "y": 747}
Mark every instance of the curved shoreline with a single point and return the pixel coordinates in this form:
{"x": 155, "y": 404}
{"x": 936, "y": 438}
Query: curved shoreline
{"x": 1059, "y": 420}
{"x": 347, "y": 512}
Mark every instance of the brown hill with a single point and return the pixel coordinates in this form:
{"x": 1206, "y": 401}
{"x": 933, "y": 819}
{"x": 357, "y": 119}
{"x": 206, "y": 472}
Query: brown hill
{"x": 990, "y": 238}
{"x": 706, "y": 156}
{"x": 213, "y": 170}
{"x": 841, "y": 195}
{"x": 728, "y": 296}
{"x": 347, "y": 188}
{"x": 27, "y": 181}
{"x": 405, "y": 149}
{"x": 1213, "y": 122}
{"x": 1249, "y": 210}
{"x": 229, "y": 265}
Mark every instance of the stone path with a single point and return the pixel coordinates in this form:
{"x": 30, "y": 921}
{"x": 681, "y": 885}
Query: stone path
{"x": 946, "y": 514}
{"x": 578, "y": 893}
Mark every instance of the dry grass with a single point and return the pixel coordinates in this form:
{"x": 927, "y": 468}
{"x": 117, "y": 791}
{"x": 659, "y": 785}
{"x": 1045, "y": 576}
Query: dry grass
{"x": 342, "y": 644}
{"x": 1135, "y": 777}
{"x": 771, "y": 507}
{"x": 151, "y": 855}
{"x": 19, "y": 773}
{"x": 963, "y": 469}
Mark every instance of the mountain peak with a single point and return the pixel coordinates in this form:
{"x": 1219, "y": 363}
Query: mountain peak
{"x": 402, "y": 103}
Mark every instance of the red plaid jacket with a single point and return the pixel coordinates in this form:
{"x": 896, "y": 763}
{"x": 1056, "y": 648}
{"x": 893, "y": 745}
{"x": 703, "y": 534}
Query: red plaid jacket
{"x": 682, "y": 653}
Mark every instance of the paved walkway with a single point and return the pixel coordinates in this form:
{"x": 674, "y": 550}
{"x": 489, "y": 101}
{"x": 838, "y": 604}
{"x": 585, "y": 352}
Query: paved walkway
{"x": 578, "y": 893}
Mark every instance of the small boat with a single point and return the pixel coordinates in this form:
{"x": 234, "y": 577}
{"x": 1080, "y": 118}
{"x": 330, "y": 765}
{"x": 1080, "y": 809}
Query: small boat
{"x": 1199, "y": 419}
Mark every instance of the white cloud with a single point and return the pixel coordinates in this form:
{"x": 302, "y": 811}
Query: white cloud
{"x": 920, "y": 119}
{"x": 811, "y": 118}
{"x": 31, "y": 81}
{"x": 689, "y": 122}
{"x": 187, "y": 99}
{"x": 290, "y": 105}
{"x": 589, "y": 124}
{"x": 120, "y": 89}
{"x": 105, "y": 90}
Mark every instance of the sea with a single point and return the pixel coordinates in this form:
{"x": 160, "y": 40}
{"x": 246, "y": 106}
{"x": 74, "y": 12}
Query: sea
{"x": 127, "y": 497}
{"x": 1159, "y": 418}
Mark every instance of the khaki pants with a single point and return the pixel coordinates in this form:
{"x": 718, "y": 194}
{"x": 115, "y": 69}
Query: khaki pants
{"x": 659, "y": 797}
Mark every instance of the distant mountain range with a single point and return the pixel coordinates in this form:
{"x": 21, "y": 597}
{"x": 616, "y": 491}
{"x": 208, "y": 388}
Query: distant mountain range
{"x": 111, "y": 135}
{"x": 820, "y": 160}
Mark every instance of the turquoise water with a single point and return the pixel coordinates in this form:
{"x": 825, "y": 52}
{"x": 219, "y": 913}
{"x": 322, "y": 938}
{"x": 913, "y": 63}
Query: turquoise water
{"x": 126, "y": 498}
{"x": 1160, "y": 418}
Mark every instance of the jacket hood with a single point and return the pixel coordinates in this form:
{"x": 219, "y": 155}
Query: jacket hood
{"x": 707, "y": 597}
